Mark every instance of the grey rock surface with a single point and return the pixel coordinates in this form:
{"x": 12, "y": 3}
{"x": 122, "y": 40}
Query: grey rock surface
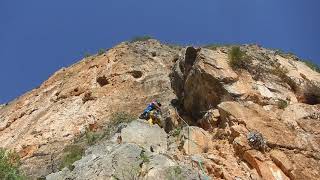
{"x": 149, "y": 137}
{"x": 131, "y": 159}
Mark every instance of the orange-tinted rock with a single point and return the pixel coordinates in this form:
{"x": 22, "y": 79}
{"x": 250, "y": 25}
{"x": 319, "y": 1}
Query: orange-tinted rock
{"x": 28, "y": 151}
{"x": 196, "y": 140}
{"x": 59, "y": 109}
{"x": 256, "y": 118}
{"x": 304, "y": 167}
{"x": 282, "y": 161}
{"x": 266, "y": 169}
{"x": 193, "y": 80}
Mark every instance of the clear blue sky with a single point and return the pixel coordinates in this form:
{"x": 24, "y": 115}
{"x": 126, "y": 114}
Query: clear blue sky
{"x": 37, "y": 37}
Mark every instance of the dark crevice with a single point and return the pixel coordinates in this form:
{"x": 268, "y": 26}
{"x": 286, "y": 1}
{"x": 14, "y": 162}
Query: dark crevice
{"x": 190, "y": 58}
{"x": 102, "y": 81}
{"x": 180, "y": 72}
{"x": 136, "y": 74}
{"x": 309, "y": 94}
{"x": 310, "y": 99}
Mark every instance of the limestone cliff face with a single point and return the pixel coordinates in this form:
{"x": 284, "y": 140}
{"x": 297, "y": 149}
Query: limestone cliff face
{"x": 275, "y": 95}
{"x": 41, "y": 122}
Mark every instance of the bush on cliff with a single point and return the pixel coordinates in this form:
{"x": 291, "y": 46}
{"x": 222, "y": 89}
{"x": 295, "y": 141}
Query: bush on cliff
{"x": 74, "y": 152}
{"x": 9, "y": 165}
{"x": 238, "y": 59}
{"x": 71, "y": 154}
{"x": 101, "y": 51}
{"x": 141, "y": 38}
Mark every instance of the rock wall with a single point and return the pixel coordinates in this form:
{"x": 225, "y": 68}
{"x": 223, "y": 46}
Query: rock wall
{"x": 263, "y": 99}
{"x": 43, "y": 121}
{"x": 275, "y": 96}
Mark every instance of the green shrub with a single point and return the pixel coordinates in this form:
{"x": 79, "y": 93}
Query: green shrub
{"x": 75, "y": 152}
{"x": 177, "y": 170}
{"x": 92, "y": 137}
{"x": 101, "y": 51}
{"x": 141, "y": 38}
{"x": 9, "y": 165}
{"x": 238, "y": 59}
{"x": 144, "y": 157}
{"x": 176, "y": 131}
{"x": 86, "y": 55}
{"x": 174, "y": 173}
{"x": 282, "y": 104}
{"x": 71, "y": 154}
{"x": 312, "y": 65}
{"x": 281, "y": 72}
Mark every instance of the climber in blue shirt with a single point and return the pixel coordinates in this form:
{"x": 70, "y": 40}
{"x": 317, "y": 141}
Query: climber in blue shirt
{"x": 154, "y": 105}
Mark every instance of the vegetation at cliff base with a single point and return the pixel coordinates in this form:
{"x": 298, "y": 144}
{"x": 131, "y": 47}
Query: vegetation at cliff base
{"x": 9, "y": 165}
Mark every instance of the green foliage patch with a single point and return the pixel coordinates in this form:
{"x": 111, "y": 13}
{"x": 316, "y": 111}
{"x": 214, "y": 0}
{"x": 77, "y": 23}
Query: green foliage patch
{"x": 176, "y": 132}
{"x": 144, "y": 157}
{"x": 216, "y": 46}
{"x": 281, "y": 72}
{"x": 72, "y": 153}
{"x": 101, "y": 51}
{"x": 9, "y": 165}
{"x": 141, "y": 38}
{"x": 238, "y": 59}
{"x": 174, "y": 173}
{"x": 282, "y": 104}
{"x": 92, "y": 137}
{"x": 86, "y": 55}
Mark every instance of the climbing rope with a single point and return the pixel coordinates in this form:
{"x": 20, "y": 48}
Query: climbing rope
{"x": 199, "y": 161}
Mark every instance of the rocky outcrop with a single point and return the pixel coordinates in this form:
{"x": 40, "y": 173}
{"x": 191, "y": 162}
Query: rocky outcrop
{"x": 275, "y": 97}
{"x": 200, "y": 78}
{"x": 124, "y": 78}
{"x": 195, "y": 140}
{"x": 284, "y": 137}
{"x": 255, "y": 100}
{"x": 136, "y": 157}
{"x": 151, "y": 138}
{"x": 270, "y": 79}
